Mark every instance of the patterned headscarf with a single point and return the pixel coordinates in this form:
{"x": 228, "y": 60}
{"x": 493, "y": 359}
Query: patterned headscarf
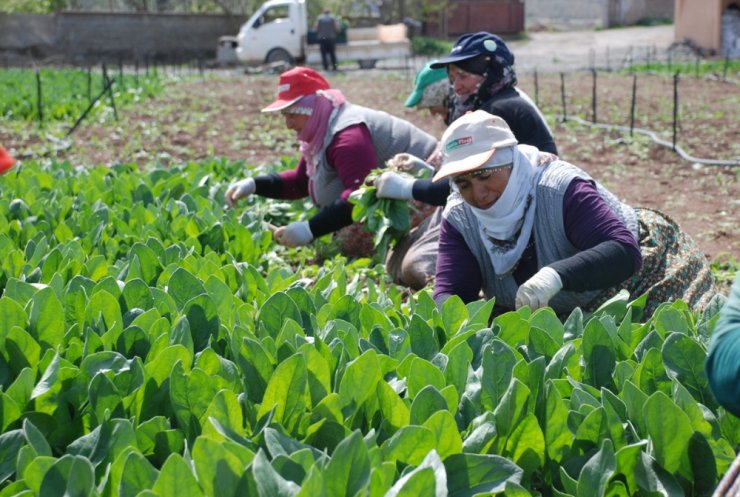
{"x": 498, "y": 75}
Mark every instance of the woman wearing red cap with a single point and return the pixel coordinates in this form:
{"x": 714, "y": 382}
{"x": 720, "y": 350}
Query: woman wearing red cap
{"x": 340, "y": 144}
{"x": 532, "y": 230}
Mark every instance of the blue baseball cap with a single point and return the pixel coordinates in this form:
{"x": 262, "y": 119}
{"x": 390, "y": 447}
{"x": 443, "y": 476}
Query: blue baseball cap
{"x": 473, "y": 45}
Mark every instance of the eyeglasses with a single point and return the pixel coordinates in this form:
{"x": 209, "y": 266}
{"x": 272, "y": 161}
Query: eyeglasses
{"x": 478, "y": 172}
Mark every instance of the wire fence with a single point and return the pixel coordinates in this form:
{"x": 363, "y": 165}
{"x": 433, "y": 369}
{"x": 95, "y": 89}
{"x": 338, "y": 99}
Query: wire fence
{"x": 630, "y": 97}
{"x": 673, "y": 109}
{"x": 671, "y": 96}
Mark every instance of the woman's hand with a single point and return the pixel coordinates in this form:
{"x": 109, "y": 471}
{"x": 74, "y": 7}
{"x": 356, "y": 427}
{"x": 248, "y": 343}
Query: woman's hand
{"x": 295, "y": 234}
{"x": 240, "y": 189}
{"x": 395, "y": 186}
{"x": 537, "y": 291}
{"x": 408, "y": 163}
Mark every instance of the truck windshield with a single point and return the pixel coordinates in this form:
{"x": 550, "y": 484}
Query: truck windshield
{"x": 276, "y": 13}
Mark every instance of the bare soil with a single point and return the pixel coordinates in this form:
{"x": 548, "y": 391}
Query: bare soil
{"x": 219, "y": 117}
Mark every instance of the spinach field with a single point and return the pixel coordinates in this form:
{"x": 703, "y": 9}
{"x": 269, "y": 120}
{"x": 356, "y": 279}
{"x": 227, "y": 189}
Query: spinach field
{"x": 52, "y": 95}
{"x": 153, "y": 343}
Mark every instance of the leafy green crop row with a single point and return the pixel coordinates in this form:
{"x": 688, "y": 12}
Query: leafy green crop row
{"x": 728, "y": 67}
{"x": 152, "y": 343}
{"x": 65, "y": 92}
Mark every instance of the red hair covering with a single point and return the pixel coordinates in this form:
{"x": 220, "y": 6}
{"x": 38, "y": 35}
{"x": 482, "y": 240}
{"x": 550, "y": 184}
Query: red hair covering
{"x": 6, "y": 160}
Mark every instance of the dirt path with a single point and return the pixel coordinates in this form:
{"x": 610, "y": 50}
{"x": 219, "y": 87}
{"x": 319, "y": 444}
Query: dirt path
{"x": 574, "y": 50}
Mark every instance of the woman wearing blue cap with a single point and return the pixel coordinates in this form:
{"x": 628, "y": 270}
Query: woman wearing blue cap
{"x": 480, "y": 70}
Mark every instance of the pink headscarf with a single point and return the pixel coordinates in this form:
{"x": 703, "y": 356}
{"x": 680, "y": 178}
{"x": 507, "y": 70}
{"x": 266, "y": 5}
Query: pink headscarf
{"x": 323, "y": 104}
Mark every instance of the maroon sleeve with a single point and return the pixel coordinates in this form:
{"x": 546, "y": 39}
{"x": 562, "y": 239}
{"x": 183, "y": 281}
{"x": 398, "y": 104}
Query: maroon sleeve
{"x": 457, "y": 272}
{"x": 589, "y": 221}
{"x": 294, "y": 182}
{"x": 352, "y": 154}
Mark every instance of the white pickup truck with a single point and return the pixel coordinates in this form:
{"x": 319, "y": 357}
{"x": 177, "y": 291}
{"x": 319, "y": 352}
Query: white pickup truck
{"x": 278, "y": 31}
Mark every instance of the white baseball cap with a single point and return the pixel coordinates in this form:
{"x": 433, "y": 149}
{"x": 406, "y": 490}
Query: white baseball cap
{"x": 474, "y": 140}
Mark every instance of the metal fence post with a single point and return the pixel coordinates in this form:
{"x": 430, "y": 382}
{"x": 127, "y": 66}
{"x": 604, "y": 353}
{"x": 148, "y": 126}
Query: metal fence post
{"x": 39, "y": 98}
{"x": 675, "y": 107}
{"x": 562, "y": 95}
{"x": 593, "y": 96}
{"x": 634, "y": 102}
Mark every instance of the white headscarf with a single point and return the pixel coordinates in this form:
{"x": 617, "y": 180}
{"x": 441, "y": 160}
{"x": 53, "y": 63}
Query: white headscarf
{"x": 506, "y": 226}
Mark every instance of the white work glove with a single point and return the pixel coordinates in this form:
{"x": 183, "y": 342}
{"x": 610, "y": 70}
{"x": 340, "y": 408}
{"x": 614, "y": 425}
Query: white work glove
{"x": 294, "y": 235}
{"x": 537, "y": 291}
{"x": 240, "y": 189}
{"x": 393, "y": 185}
{"x": 408, "y": 163}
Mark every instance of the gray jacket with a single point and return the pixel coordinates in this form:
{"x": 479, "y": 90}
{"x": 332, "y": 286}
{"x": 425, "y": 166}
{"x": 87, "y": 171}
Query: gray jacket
{"x": 390, "y": 136}
{"x": 326, "y": 27}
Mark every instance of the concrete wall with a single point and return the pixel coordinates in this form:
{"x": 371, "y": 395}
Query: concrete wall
{"x": 589, "y": 14}
{"x": 82, "y": 37}
{"x": 21, "y": 32}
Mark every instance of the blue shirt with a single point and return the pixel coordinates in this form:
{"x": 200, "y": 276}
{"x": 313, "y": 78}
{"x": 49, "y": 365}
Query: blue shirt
{"x": 723, "y": 361}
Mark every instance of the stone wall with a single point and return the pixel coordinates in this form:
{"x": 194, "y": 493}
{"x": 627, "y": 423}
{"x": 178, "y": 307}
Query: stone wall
{"x": 565, "y": 14}
{"x": 88, "y": 37}
{"x": 589, "y": 14}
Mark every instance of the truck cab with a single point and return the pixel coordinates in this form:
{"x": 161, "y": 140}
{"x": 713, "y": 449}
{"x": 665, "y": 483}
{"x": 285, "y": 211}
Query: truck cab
{"x": 275, "y": 32}
{"x": 278, "y": 32}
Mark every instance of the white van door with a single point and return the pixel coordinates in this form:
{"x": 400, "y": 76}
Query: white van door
{"x": 273, "y": 34}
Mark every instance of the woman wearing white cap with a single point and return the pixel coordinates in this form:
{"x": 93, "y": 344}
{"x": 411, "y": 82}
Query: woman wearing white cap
{"x": 532, "y": 230}
{"x": 340, "y": 144}
{"x": 480, "y": 70}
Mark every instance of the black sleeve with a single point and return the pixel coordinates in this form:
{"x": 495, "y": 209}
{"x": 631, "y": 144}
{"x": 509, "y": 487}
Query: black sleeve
{"x": 523, "y": 119}
{"x": 269, "y": 185}
{"x": 605, "y": 265}
{"x": 331, "y": 218}
{"x": 431, "y": 193}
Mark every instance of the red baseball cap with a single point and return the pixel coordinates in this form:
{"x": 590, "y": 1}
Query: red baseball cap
{"x": 6, "y": 160}
{"x": 294, "y": 84}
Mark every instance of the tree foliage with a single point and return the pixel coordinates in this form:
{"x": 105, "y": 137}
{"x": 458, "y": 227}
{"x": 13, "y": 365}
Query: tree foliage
{"x": 354, "y": 12}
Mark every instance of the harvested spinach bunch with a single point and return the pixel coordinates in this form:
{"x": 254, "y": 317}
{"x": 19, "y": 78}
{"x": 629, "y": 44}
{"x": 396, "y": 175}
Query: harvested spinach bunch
{"x": 388, "y": 219}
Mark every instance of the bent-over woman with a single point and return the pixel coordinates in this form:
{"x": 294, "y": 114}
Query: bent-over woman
{"x": 480, "y": 69}
{"x": 532, "y": 230}
{"x": 340, "y": 144}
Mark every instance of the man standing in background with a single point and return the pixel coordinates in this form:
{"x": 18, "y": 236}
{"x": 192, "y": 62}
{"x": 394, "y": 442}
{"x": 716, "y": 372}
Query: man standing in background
{"x": 327, "y": 29}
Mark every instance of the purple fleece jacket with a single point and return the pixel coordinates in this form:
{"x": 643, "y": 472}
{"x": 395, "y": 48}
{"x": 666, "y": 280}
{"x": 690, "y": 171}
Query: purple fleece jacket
{"x": 589, "y": 222}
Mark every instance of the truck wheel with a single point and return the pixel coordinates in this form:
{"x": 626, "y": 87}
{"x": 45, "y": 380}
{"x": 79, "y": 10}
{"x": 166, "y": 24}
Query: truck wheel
{"x": 278, "y": 55}
{"x": 367, "y": 63}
